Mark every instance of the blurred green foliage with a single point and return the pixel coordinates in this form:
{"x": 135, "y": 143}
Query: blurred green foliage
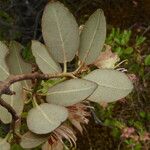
{"x": 147, "y": 60}
{"x": 128, "y": 47}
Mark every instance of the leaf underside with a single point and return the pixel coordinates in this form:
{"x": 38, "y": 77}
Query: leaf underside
{"x": 16, "y": 101}
{"x": 92, "y": 37}
{"x": 15, "y": 62}
{"x": 43, "y": 59}
{"x": 5, "y": 116}
{"x": 4, "y": 72}
{"x": 60, "y": 32}
{"x": 4, "y": 145}
{"x": 70, "y": 92}
{"x": 112, "y": 85}
{"x": 45, "y": 118}
{"x": 31, "y": 140}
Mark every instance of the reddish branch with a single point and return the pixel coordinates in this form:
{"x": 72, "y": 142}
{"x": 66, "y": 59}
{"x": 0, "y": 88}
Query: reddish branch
{"x": 9, "y": 108}
{"x": 5, "y": 86}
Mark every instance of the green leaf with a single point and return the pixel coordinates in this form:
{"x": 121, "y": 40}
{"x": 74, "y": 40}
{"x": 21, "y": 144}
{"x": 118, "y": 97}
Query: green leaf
{"x": 128, "y": 50}
{"x": 45, "y": 118}
{"x": 60, "y": 32}
{"x": 137, "y": 146}
{"x": 70, "y": 92}
{"x": 147, "y": 60}
{"x": 119, "y": 50}
{"x": 112, "y": 85}
{"x": 92, "y": 37}
{"x": 142, "y": 114}
{"x": 43, "y": 59}
{"x": 125, "y": 37}
{"x": 5, "y": 116}
{"x": 4, "y": 72}
{"x": 15, "y": 62}
{"x": 27, "y": 54}
{"x": 5, "y": 17}
{"x": 139, "y": 40}
{"x": 31, "y": 140}
{"x": 16, "y": 101}
{"x": 4, "y": 145}
{"x": 16, "y": 147}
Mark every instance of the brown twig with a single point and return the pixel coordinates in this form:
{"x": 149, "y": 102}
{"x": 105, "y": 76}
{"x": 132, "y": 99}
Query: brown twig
{"x": 5, "y": 86}
{"x": 9, "y": 108}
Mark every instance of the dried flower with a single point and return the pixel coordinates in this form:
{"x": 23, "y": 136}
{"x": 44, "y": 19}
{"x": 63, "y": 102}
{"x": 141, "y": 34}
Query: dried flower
{"x": 55, "y": 141}
{"x": 78, "y": 115}
{"x": 107, "y": 59}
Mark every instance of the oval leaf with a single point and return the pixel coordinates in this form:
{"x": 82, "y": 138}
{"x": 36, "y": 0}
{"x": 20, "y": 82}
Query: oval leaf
{"x": 45, "y": 118}
{"x": 70, "y": 92}
{"x": 92, "y": 37}
{"x": 16, "y": 101}
{"x": 4, "y": 145}
{"x": 112, "y": 85}
{"x": 4, "y": 72}
{"x": 15, "y": 62}
{"x": 31, "y": 140}
{"x": 43, "y": 59}
{"x": 60, "y": 32}
{"x": 5, "y": 116}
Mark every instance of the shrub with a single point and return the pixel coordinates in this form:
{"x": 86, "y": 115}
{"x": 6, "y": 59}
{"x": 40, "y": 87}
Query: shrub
{"x": 57, "y": 96}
